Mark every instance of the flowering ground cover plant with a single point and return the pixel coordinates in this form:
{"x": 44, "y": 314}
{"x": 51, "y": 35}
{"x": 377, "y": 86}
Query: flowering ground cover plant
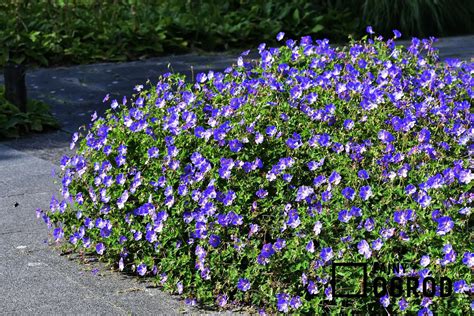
{"x": 245, "y": 187}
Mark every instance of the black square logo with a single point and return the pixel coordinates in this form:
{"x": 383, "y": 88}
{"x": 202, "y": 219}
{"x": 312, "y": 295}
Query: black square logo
{"x": 349, "y": 277}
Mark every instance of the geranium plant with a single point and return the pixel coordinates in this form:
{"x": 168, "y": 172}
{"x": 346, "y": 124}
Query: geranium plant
{"x": 245, "y": 187}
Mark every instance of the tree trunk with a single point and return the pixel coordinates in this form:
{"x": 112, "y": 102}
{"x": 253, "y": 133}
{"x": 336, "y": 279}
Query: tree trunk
{"x": 15, "y": 85}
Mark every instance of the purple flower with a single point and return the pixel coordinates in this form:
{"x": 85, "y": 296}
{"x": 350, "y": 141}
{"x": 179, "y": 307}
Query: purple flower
{"x": 385, "y": 136}
{"x": 267, "y": 57}
{"x": 445, "y": 225}
{"x": 100, "y": 248}
{"x": 151, "y": 236}
{"x": 105, "y": 232}
{"x": 201, "y": 77}
{"x": 114, "y": 104}
{"x": 254, "y": 228}
{"x": 365, "y": 192}
{"x": 280, "y": 36}
{"x": 267, "y": 250}
{"x": 348, "y": 124}
{"x": 335, "y": 178}
{"x": 221, "y": 300}
{"x": 385, "y": 301}
{"x": 410, "y": 189}
{"x": 145, "y": 209}
{"x": 312, "y": 288}
{"x": 363, "y": 174}
{"x": 348, "y": 193}
{"x": 424, "y": 135}
{"x": 141, "y": 269}
{"x": 243, "y": 284}
{"x": 271, "y": 130}
{"x": 425, "y": 261}
{"x": 326, "y": 254}
{"x": 377, "y": 244}
{"x": 326, "y": 196}
{"x": 137, "y": 235}
{"x": 190, "y": 301}
{"x": 312, "y": 165}
{"x": 310, "y": 246}
{"x": 328, "y": 293}
{"x": 153, "y": 152}
{"x": 450, "y": 254}
{"x": 317, "y": 228}
{"x": 319, "y": 180}
{"x": 468, "y": 259}
{"x": 387, "y": 232}
{"x": 58, "y": 233}
{"x": 397, "y": 33}
{"x": 123, "y": 198}
{"x": 461, "y": 286}
{"x": 179, "y": 286}
{"x": 344, "y": 216}
{"x": 364, "y": 249}
{"x": 303, "y": 193}
{"x": 235, "y": 145}
{"x": 369, "y": 30}
{"x": 214, "y": 241}
{"x": 324, "y": 140}
{"x": 423, "y": 199}
{"x": 279, "y": 244}
{"x": 295, "y": 302}
{"x": 120, "y": 264}
{"x": 425, "y": 311}
{"x": 261, "y": 193}
{"x": 282, "y": 302}
{"x": 403, "y": 304}
{"x": 295, "y": 141}
{"x": 229, "y": 198}
{"x": 402, "y": 217}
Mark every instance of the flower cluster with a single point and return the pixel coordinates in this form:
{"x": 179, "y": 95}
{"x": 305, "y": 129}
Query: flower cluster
{"x": 254, "y": 180}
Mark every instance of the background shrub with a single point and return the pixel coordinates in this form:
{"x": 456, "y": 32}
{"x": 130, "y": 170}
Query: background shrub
{"x": 245, "y": 186}
{"x": 83, "y": 31}
{"x": 13, "y": 122}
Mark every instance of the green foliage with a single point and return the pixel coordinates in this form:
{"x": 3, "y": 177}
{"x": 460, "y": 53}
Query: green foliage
{"x": 83, "y": 31}
{"x": 13, "y": 122}
{"x": 214, "y": 24}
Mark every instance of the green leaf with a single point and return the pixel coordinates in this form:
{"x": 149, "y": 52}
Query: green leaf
{"x": 317, "y": 28}
{"x": 296, "y": 15}
{"x": 33, "y": 36}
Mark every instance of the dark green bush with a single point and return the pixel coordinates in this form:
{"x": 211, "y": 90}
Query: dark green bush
{"x": 13, "y": 122}
{"x": 83, "y": 31}
{"x": 48, "y": 33}
{"x": 54, "y": 32}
